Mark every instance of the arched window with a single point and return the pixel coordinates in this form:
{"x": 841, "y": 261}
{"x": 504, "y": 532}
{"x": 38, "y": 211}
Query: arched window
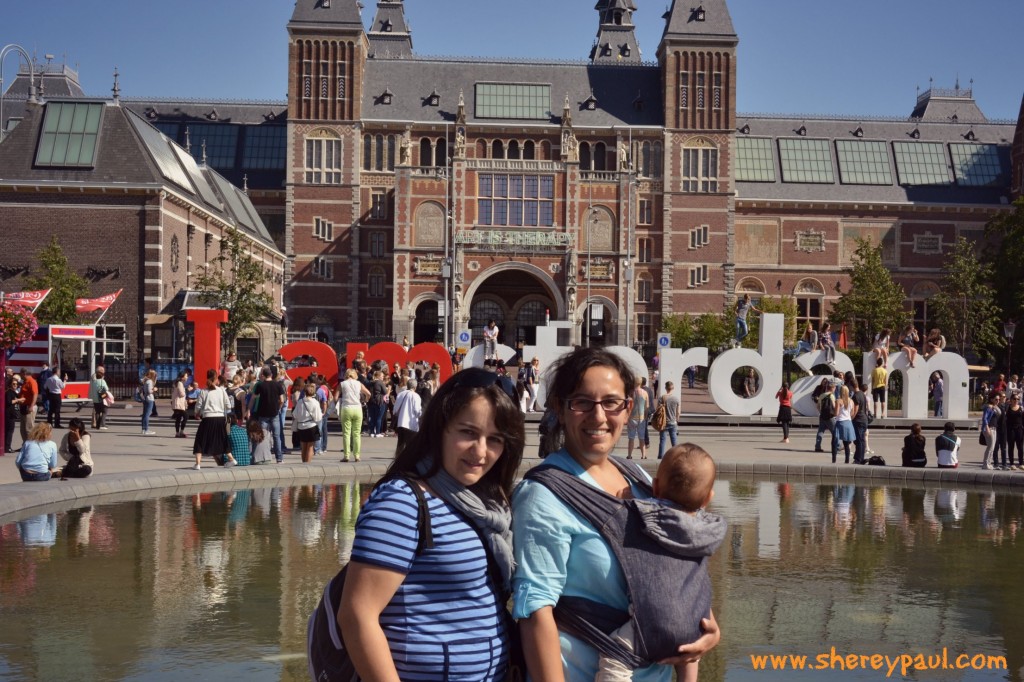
{"x": 528, "y": 150}
{"x": 810, "y": 303}
{"x": 481, "y": 149}
{"x": 700, "y": 166}
{"x": 600, "y": 156}
{"x": 375, "y": 283}
{"x": 441, "y": 153}
{"x": 426, "y": 152}
{"x": 379, "y": 153}
{"x": 752, "y": 286}
{"x": 497, "y": 150}
{"x": 585, "y": 162}
{"x": 391, "y": 152}
{"x": 513, "y": 149}
{"x": 545, "y": 150}
{"x": 367, "y": 152}
{"x": 644, "y": 288}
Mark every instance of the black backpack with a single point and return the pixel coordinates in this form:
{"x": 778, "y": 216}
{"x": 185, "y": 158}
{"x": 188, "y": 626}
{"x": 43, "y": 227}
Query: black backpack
{"x": 329, "y": 660}
{"x": 826, "y": 406}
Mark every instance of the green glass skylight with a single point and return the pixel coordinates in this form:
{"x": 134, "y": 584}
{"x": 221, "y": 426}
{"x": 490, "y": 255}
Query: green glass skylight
{"x": 863, "y": 162}
{"x": 921, "y": 163}
{"x": 70, "y": 133}
{"x": 754, "y": 159}
{"x": 976, "y": 165}
{"x": 806, "y": 161}
{"x": 513, "y": 101}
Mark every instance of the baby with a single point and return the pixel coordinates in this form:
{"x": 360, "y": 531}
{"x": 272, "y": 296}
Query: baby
{"x": 684, "y": 483}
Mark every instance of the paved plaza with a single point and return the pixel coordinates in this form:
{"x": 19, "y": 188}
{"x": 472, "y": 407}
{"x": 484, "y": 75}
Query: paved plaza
{"x": 126, "y": 461}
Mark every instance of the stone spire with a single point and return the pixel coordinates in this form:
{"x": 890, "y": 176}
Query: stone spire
{"x": 389, "y": 33}
{"x": 616, "y": 36}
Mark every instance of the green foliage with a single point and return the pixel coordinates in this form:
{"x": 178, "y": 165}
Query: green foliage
{"x": 874, "y": 301}
{"x": 709, "y": 330}
{"x": 1006, "y": 257}
{"x": 55, "y": 273}
{"x": 783, "y": 305}
{"x": 965, "y": 307}
{"x": 234, "y": 281}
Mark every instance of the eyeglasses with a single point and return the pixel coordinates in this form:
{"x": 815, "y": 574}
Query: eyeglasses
{"x": 609, "y": 405}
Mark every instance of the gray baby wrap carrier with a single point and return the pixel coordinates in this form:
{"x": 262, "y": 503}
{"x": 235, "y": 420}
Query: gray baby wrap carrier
{"x": 662, "y": 551}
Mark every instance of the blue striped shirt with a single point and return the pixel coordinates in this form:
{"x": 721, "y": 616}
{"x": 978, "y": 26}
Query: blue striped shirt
{"x": 444, "y": 622}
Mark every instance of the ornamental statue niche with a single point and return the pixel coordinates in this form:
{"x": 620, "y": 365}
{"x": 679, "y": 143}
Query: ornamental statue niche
{"x": 405, "y": 149}
{"x": 460, "y": 143}
{"x": 570, "y": 146}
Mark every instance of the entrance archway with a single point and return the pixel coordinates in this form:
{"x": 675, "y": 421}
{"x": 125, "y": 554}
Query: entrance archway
{"x": 425, "y": 329}
{"x": 517, "y": 299}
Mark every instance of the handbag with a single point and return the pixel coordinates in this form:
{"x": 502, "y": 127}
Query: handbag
{"x": 660, "y": 419}
{"x": 981, "y": 437}
{"x": 871, "y": 418}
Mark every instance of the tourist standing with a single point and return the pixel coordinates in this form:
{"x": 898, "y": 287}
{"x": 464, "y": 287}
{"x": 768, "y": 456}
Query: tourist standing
{"x": 557, "y": 553}
{"x": 637, "y": 422}
{"x": 75, "y": 450}
{"x": 213, "y": 408}
{"x": 99, "y": 394}
{"x": 491, "y": 341}
{"x": 860, "y": 423}
{"x": 323, "y": 397}
{"x": 461, "y": 465}
{"x": 743, "y": 308}
{"x": 824, "y": 397}
{"x": 846, "y": 410}
{"x": 12, "y": 411}
{"x": 879, "y": 383}
{"x": 229, "y": 368}
{"x": 307, "y": 416}
{"x": 989, "y": 418}
{"x": 350, "y": 411}
{"x": 37, "y": 459}
{"x": 265, "y": 404}
{"x": 671, "y": 403}
{"x": 750, "y": 384}
{"x": 947, "y": 447}
{"x": 1013, "y": 417}
{"x": 407, "y": 410}
{"x": 147, "y": 390}
{"x": 54, "y": 390}
{"x": 532, "y": 383}
{"x": 27, "y": 401}
{"x": 179, "y": 403}
{"x": 377, "y": 405}
{"x": 1002, "y": 405}
{"x": 938, "y": 393}
{"x": 785, "y": 417}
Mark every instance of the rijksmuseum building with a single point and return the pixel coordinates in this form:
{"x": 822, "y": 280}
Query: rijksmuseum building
{"x": 417, "y": 196}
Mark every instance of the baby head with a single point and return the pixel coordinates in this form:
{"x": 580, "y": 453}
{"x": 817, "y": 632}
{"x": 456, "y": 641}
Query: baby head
{"x": 686, "y": 476}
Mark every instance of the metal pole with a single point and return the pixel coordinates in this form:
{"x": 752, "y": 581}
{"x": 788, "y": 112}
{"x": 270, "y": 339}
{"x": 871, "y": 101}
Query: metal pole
{"x": 7, "y": 49}
{"x": 589, "y": 221}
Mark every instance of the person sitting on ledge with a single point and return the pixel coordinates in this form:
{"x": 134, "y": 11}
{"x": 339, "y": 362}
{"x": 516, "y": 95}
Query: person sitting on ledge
{"x": 934, "y": 343}
{"x": 947, "y": 447}
{"x": 74, "y": 449}
{"x": 38, "y": 457}
{"x": 914, "y": 454}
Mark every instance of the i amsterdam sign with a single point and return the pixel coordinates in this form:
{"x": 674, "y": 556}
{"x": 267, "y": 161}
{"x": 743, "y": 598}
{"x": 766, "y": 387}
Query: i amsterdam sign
{"x": 513, "y": 240}
{"x": 767, "y": 360}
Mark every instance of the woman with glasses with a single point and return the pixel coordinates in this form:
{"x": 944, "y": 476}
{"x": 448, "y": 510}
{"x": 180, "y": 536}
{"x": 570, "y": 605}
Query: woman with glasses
{"x": 557, "y": 553}
{"x": 436, "y": 610}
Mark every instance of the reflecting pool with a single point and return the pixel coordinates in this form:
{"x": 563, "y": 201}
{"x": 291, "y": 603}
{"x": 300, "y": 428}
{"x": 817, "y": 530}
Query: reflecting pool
{"x": 219, "y": 585}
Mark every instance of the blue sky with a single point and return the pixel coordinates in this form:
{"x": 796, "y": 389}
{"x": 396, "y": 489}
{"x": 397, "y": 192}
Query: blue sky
{"x": 796, "y": 56}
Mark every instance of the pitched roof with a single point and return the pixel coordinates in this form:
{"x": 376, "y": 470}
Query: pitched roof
{"x": 389, "y": 33}
{"x": 617, "y": 89}
{"x": 937, "y": 104}
{"x": 681, "y": 21}
{"x": 327, "y": 14}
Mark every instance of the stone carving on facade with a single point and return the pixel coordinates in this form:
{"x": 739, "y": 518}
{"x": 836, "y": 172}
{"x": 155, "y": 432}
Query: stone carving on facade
{"x": 928, "y": 244}
{"x": 460, "y": 143}
{"x": 555, "y": 268}
{"x": 570, "y": 147}
{"x": 427, "y": 266}
{"x": 473, "y": 266}
{"x": 623, "y": 156}
{"x": 809, "y": 241}
{"x": 429, "y": 225}
{"x": 599, "y": 269}
{"x": 405, "y": 149}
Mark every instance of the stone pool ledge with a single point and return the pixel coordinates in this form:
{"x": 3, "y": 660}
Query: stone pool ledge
{"x": 18, "y": 500}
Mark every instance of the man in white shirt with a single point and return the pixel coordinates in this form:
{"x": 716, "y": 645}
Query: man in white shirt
{"x": 53, "y": 389}
{"x": 407, "y": 410}
{"x": 491, "y": 341}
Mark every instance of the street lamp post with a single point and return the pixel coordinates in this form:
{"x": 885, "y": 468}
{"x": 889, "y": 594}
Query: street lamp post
{"x": 7, "y": 49}
{"x": 1009, "y": 328}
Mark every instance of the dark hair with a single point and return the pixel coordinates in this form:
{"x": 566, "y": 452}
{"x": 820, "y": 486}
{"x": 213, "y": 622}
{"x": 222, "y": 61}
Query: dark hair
{"x": 453, "y": 396}
{"x": 181, "y": 375}
{"x": 567, "y": 373}
{"x": 916, "y": 432}
{"x": 78, "y": 424}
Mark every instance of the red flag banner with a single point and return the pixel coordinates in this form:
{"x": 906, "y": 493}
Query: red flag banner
{"x": 29, "y": 299}
{"x": 88, "y": 305}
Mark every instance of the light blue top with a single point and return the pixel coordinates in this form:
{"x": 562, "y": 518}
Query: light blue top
{"x": 37, "y": 457}
{"x": 552, "y": 542}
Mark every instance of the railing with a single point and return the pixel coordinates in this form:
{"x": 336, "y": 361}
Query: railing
{"x": 599, "y": 176}
{"x": 517, "y": 165}
{"x": 945, "y": 92}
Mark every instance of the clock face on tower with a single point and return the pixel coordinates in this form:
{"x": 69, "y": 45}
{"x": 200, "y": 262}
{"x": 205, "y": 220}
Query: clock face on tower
{"x": 174, "y": 253}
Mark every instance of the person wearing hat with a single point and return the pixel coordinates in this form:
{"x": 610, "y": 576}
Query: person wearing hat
{"x": 947, "y": 447}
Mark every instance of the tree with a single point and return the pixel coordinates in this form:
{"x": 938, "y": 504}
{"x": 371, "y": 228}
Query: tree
{"x": 784, "y": 305}
{"x": 874, "y": 301}
{"x": 965, "y": 307}
{"x": 66, "y": 285}
{"x": 234, "y": 282}
{"x": 1006, "y": 256}
{"x": 709, "y": 330}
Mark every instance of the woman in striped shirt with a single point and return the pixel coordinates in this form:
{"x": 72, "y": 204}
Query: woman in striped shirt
{"x": 440, "y": 613}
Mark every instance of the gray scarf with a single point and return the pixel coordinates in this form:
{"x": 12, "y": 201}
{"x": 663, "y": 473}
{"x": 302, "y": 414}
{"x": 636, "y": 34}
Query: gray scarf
{"x": 493, "y": 520}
